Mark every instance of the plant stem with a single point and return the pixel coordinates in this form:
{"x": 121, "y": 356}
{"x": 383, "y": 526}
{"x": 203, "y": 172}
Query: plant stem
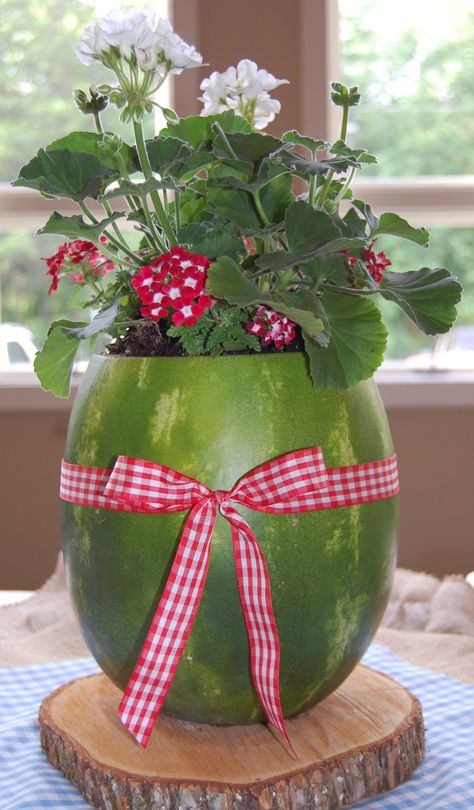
{"x": 259, "y": 207}
{"x": 346, "y": 185}
{"x": 343, "y": 134}
{"x": 98, "y": 124}
{"x": 177, "y": 211}
{"x": 109, "y": 236}
{"x": 120, "y": 238}
{"x": 123, "y": 173}
{"x": 148, "y": 174}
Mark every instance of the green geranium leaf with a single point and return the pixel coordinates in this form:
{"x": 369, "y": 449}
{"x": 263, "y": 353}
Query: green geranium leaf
{"x": 75, "y": 228}
{"x": 275, "y": 198}
{"x": 367, "y": 213}
{"x": 353, "y": 224}
{"x": 284, "y": 259}
{"x": 234, "y": 204}
{"x": 195, "y": 128}
{"x": 397, "y": 226}
{"x": 360, "y": 155}
{"x": 248, "y": 148}
{"x": 170, "y": 156}
{"x": 226, "y": 280}
{"x": 212, "y": 239}
{"x": 191, "y": 205}
{"x": 293, "y": 136}
{"x": 306, "y": 167}
{"x": 140, "y": 189}
{"x": 100, "y": 323}
{"x": 93, "y": 143}
{"x": 357, "y": 344}
{"x": 428, "y": 297}
{"x": 61, "y": 173}
{"x": 53, "y": 364}
{"x": 305, "y": 308}
{"x": 307, "y": 229}
{"x": 333, "y": 267}
{"x": 164, "y": 152}
{"x": 268, "y": 171}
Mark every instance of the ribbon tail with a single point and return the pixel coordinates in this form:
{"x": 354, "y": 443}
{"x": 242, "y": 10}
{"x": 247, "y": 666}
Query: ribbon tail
{"x": 255, "y": 596}
{"x": 171, "y": 625}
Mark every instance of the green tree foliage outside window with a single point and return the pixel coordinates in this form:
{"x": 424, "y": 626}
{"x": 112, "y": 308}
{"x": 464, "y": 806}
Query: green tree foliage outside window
{"x": 417, "y": 116}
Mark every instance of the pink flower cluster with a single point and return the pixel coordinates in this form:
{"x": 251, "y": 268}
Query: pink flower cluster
{"x": 72, "y": 254}
{"x": 272, "y": 327}
{"x": 375, "y": 262}
{"x": 173, "y": 284}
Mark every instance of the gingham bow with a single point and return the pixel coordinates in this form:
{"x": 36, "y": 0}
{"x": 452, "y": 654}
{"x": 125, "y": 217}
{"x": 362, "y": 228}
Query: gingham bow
{"x": 295, "y": 482}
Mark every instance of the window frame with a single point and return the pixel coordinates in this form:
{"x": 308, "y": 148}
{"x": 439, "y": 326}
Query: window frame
{"x": 434, "y": 200}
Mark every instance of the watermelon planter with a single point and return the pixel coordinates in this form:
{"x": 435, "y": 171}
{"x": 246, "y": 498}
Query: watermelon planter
{"x": 215, "y": 419}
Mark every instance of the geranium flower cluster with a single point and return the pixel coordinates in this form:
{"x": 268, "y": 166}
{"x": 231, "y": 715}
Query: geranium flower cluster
{"x": 272, "y": 327}
{"x": 139, "y": 38}
{"x": 173, "y": 285}
{"x": 243, "y": 89}
{"x": 376, "y": 263}
{"x": 76, "y": 259}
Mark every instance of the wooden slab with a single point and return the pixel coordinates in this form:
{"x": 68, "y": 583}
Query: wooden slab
{"x": 364, "y": 739}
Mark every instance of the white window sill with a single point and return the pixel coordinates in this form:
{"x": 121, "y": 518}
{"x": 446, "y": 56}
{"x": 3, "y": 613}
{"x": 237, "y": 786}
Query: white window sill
{"x": 399, "y": 389}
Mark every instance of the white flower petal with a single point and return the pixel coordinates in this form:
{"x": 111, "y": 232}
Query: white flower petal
{"x": 91, "y": 45}
{"x": 243, "y": 87}
{"x": 176, "y": 50}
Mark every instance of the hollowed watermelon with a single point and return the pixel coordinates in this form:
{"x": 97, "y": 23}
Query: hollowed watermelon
{"x": 215, "y": 419}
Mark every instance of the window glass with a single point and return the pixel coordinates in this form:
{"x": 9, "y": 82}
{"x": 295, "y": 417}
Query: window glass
{"x": 39, "y": 70}
{"x": 24, "y": 287}
{"x": 16, "y": 353}
{"x": 452, "y": 248}
{"x": 414, "y": 65}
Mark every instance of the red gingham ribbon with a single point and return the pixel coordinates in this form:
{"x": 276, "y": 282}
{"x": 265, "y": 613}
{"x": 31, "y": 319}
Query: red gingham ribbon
{"x": 295, "y": 482}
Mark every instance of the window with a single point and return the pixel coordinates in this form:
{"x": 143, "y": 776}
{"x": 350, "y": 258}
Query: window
{"x": 414, "y": 63}
{"x": 16, "y": 353}
{"x": 40, "y": 69}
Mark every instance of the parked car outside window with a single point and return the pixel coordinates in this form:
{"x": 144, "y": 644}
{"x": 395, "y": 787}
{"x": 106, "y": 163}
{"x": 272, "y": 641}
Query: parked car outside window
{"x": 17, "y": 348}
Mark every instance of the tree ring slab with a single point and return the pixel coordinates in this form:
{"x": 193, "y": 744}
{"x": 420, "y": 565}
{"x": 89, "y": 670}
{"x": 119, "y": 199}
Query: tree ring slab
{"x": 362, "y": 740}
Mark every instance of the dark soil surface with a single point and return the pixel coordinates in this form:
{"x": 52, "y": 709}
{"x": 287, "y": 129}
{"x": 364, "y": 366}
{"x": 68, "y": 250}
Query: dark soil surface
{"x": 144, "y": 339}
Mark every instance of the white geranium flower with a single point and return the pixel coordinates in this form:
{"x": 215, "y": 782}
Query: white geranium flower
{"x": 139, "y": 35}
{"x": 176, "y": 50}
{"x": 265, "y": 110}
{"x": 216, "y": 88}
{"x": 92, "y": 44}
{"x": 129, "y": 30}
{"x": 244, "y": 89}
{"x": 252, "y": 80}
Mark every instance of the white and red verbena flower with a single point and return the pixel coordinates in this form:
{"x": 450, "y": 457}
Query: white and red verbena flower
{"x": 173, "y": 284}
{"x": 75, "y": 259}
{"x": 272, "y": 327}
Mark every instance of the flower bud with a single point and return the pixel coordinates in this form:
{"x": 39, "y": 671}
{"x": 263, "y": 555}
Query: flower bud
{"x": 95, "y": 102}
{"x": 343, "y": 96}
{"x": 169, "y": 115}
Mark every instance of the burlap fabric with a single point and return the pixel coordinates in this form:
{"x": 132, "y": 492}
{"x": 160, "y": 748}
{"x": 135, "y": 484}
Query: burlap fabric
{"x": 428, "y": 622}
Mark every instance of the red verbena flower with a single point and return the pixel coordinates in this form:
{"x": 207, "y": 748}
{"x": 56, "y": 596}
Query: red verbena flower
{"x": 173, "y": 285}
{"x": 272, "y": 327}
{"x": 374, "y": 262}
{"x": 70, "y": 255}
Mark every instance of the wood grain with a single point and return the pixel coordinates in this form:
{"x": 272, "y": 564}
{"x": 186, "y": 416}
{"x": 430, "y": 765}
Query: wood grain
{"x": 364, "y": 739}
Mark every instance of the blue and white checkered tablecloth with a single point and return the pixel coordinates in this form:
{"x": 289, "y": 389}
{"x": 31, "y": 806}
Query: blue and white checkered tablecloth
{"x": 445, "y": 780}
